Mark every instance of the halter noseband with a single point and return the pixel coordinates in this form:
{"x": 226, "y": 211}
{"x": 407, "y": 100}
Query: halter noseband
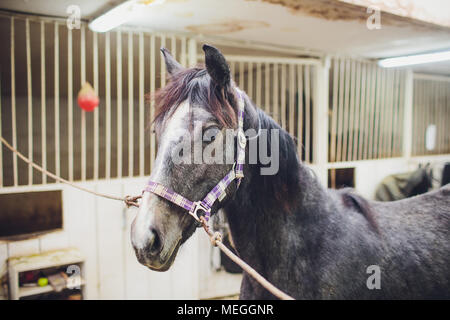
{"x": 218, "y": 192}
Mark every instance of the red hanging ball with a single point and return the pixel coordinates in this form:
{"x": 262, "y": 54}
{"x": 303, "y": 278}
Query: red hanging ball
{"x": 87, "y": 98}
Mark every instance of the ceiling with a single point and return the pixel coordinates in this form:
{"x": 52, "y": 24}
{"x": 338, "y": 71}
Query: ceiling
{"x": 324, "y": 25}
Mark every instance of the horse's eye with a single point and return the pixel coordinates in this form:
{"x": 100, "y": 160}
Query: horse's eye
{"x": 210, "y": 134}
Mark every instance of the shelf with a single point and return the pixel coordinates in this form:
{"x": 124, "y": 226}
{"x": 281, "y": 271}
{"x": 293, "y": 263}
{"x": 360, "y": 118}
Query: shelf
{"x": 31, "y": 291}
{"x": 45, "y": 260}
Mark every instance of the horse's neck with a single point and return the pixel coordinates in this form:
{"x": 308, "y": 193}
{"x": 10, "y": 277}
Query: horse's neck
{"x": 269, "y": 213}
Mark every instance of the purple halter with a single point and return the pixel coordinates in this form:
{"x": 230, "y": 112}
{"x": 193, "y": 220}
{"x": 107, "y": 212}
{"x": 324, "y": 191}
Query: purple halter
{"x": 218, "y": 192}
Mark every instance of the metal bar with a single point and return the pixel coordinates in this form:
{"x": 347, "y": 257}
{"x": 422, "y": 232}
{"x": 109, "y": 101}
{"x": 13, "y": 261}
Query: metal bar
{"x": 395, "y": 119}
{"x": 267, "y": 87}
{"x": 300, "y": 110}
{"x": 183, "y": 52}
{"x": 390, "y": 113}
{"x": 334, "y": 112}
{"x": 351, "y": 116}
{"x": 405, "y": 113}
{"x": 107, "y": 105}
{"x": 30, "y": 101}
{"x": 439, "y": 114}
{"x": 443, "y": 116}
{"x": 346, "y": 110}
{"x": 291, "y": 99}
{"x": 413, "y": 110}
{"x": 96, "y": 115}
{"x": 368, "y": 113}
{"x": 357, "y": 111}
{"x": 340, "y": 110}
{"x": 424, "y": 116}
{"x": 119, "y": 102}
{"x": 276, "y": 105}
{"x": 363, "y": 112}
{"x": 152, "y": 91}
{"x": 192, "y": 52}
{"x": 141, "y": 104}
{"x": 173, "y": 46}
{"x": 130, "y": 106}
{"x": 383, "y": 111}
{"x": 43, "y": 105}
{"x": 258, "y": 85}
{"x": 375, "y": 102}
{"x": 13, "y": 102}
{"x": 419, "y": 119}
{"x": 446, "y": 127}
{"x": 241, "y": 75}
{"x": 56, "y": 93}
{"x": 307, "y": 114}
{"x": 83, "y": 113}
{"x": 419, "y": 105}
{"x": 283, "y": 96}
{"x": 250, "y": 80}
{"x": 163, "y": 65}
{"x": 233, "y": 70}
{"x": 70, "y": 100}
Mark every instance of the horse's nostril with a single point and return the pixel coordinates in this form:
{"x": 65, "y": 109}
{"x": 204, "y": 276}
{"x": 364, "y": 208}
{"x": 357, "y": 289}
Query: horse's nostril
{"x": 155, "y": 244}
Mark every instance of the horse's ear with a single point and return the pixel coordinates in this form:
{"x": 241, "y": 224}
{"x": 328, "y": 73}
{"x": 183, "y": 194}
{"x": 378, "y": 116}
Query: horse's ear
{"x": 217, "y": 66}
{"x": 172, "y": 65}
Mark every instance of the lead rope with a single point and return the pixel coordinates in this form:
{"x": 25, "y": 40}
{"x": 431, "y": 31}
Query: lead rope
{"x": 129, "y": 200}
{"x": 216, "y": 238}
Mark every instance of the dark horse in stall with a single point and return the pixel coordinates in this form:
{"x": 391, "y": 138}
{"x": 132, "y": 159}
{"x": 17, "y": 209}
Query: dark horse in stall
{"x": 310, "y": 242}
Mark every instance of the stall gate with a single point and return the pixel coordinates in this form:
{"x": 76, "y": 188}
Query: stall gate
{"x": 48, "y": 63}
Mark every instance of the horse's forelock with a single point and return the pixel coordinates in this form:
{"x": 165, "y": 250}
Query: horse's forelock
{"x": 195, "y": 85}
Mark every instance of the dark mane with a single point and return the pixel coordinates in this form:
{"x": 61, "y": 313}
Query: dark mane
{"x": 285, "y": 185}
{"x": 196, "y": 86}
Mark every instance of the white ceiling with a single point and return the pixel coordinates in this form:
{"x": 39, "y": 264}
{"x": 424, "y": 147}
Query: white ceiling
{"x": 272, "y": 23}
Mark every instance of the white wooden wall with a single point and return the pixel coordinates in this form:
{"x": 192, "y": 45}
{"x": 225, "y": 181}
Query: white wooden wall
{"x": 100, "y": 228}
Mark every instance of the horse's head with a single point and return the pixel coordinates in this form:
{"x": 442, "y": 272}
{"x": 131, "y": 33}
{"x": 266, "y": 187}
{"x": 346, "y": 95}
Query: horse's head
{"x": 193, "y": 113}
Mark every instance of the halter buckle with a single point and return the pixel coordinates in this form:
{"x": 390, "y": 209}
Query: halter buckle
{"x": 242, "y": 140}
{"x": 198, "y": 205}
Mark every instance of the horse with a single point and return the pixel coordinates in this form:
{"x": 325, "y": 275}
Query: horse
{"x": 309, "y": 241}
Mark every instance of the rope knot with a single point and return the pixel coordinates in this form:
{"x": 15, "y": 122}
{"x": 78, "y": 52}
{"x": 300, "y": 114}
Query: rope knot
{"x": 216, "y": 237}
{"x": 132, "y": 201}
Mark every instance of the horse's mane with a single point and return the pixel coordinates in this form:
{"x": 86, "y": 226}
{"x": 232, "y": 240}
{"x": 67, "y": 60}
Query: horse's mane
{"x": 196, "y": 86}
{"x": 285, "y": 185}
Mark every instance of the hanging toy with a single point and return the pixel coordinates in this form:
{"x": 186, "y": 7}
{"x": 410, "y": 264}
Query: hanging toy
{"x": 87, "y": 98}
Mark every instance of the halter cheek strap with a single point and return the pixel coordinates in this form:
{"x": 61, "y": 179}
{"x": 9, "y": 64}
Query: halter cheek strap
{"x": 218, "y": 192}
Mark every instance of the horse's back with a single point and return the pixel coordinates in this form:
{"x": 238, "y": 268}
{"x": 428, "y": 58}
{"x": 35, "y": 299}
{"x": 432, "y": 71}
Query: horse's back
{"x": 415, "y": 234}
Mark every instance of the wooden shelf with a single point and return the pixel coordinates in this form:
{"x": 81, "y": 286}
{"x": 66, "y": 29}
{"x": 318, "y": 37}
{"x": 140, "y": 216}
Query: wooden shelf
{"x": 51, "y": 259}
{"x": 31, "y": 291}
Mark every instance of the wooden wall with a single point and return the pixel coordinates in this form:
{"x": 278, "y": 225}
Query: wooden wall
{"x": 100, "y": 229}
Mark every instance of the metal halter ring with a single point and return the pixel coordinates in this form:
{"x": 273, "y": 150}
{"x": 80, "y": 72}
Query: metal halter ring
{"x": 198, "y": 205}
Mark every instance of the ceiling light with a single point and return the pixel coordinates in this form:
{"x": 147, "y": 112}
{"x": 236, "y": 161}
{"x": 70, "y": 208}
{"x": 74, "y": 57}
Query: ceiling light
{"x": 120, "y": 14}
{"x": 414, "y": 59}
